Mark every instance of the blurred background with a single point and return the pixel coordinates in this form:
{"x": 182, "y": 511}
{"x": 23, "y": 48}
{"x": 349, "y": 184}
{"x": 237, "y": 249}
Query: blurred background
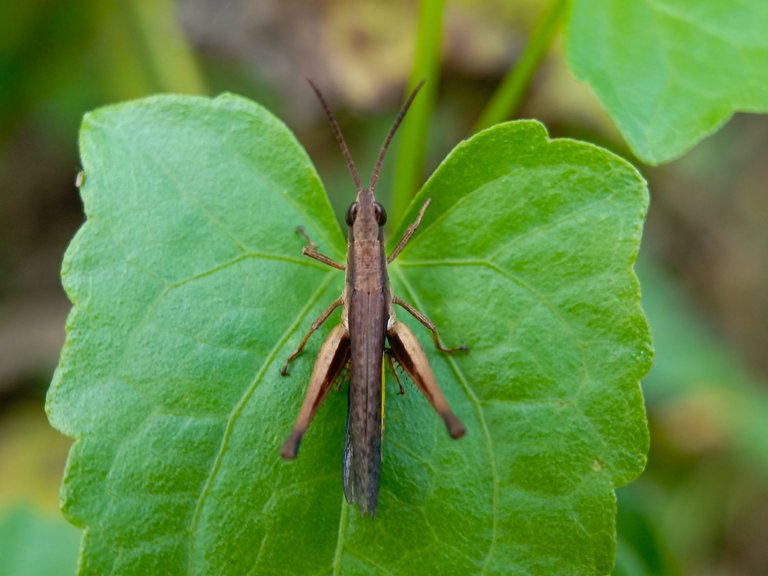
{"x": 700, "y": 508}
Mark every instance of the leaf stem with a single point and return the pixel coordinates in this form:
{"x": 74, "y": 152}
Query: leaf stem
{"x": 164, "y": 54}
{"x": 413, "y": 138}
{"x": 505, "y": 101}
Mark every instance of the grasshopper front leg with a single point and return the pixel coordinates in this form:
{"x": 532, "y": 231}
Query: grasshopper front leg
{"x": 311, "y": 250}
{"x": 409, "y": 232}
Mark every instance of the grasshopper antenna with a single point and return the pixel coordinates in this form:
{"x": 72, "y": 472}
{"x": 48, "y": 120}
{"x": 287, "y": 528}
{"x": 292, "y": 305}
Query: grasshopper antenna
{"x": 339, "y": 136}
{"x": 395, "y": 126}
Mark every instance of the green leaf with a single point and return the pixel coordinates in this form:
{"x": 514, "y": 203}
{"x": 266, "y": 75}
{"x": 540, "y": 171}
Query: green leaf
{"x": 190, "y": 290}
{"x": 671, "y": 72}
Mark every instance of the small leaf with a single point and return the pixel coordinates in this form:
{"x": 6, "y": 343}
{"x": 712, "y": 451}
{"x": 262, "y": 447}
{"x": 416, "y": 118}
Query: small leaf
{"x": 671, "y": 72}
{"x": 190, "y": 291}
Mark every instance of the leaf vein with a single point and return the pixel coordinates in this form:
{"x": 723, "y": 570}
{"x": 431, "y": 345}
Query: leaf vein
{"x": 240, "y": 406}
{"x": 475, "y": 400}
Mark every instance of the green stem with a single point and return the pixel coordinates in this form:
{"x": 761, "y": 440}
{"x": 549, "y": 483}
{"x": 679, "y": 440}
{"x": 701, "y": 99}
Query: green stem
{"x": 507, "y": 98}
{"x": 166, "y": 56}
{"x": 409, "y": 169}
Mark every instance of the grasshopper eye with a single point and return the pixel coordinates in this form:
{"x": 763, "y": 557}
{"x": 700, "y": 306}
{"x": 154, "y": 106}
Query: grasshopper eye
{"x": 381, "y": 214}
{"x": 351, "y": 214}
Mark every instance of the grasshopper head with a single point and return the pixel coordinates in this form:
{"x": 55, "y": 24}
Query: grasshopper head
{"x": 365, "y": 212}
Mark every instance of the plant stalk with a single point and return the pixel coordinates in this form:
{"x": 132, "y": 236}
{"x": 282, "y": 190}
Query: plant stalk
{"x": 506, "y": 100}
{"x": 409, "y": 170}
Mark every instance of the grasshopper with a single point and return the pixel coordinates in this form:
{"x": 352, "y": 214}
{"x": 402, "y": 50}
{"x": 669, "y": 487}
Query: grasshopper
{"x": 369, "y": 331}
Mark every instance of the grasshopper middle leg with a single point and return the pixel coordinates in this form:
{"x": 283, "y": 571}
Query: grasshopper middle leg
{"x": 315, "y": 325}
{"x": 429, "y": 326}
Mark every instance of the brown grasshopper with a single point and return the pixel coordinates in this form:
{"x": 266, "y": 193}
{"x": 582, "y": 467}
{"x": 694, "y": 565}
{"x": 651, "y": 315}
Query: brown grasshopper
{"x": 367, "y": 321}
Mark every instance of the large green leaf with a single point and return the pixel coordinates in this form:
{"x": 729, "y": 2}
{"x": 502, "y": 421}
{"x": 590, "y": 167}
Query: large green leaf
{"x": 670, "y": 72}
{"x": 189, "y": 291}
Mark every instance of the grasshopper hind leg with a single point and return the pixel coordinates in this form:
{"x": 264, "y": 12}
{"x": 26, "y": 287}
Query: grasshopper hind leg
{"x": 410, "y": 356}
{"x": 333, "y": 357}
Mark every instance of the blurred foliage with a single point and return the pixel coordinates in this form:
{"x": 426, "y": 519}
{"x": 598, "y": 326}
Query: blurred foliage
{"x": 706, "y": 476}
{"x": 57, "y": 57}
{"x": 36, "y": 545}
{"x": 34, "y": 539}
{"x": 32, "y": 457}
{"x": 702, "y": 505}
